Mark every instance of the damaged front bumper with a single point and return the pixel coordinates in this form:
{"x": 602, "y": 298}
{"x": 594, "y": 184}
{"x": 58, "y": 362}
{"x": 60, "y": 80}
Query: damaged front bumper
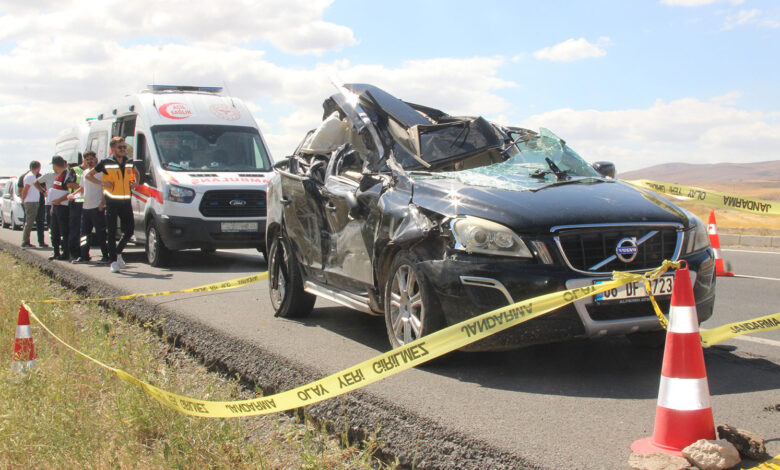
{"x": 467, "y": 285}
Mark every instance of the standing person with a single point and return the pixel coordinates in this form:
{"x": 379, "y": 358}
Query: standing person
{"x": 31, "y": 200}
{"x": 44, "y": 183}
{"x": 92, "y": 215}
{"x": 73, "y": 180}
{"x": 119, "y": 180}
{"x": 58, "y": 195}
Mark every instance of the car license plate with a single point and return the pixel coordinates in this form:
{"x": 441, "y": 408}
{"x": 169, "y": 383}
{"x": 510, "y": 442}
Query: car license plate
{"x": 239, "y": 226}
{"x": 636, "y": 290}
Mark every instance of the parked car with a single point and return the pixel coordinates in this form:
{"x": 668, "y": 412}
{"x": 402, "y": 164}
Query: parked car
{"x": 12, "y": 211}
{"x": 402, "y": 210}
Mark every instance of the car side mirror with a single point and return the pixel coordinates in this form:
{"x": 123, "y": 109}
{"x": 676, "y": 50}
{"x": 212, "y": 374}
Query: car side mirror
{"x": 605, "y": 169}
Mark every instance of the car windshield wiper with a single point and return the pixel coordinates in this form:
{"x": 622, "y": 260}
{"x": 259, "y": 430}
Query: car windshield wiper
{"x": 570, "y": 180}
{"x": 561, "y": 175}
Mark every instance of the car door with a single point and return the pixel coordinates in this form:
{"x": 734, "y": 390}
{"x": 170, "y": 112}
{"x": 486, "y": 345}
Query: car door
{"x": 303, "y": 219}
{"x": 348, "y": 256}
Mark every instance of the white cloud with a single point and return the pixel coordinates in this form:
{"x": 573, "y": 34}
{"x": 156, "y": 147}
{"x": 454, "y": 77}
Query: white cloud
{"x": 697, "y": 3}
{"x": 750, "y": 17}
{"x": 684, "y": 130}
{"x": 294, "y": 26}
{"x": 51, "y": 82}
{"x": 573, "y": 49}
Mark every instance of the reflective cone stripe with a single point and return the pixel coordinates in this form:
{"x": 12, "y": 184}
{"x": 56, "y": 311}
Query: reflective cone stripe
{"x": 683, "y": 411}
{"x": 24, "y": 350}
{"x": 712, "y": 231}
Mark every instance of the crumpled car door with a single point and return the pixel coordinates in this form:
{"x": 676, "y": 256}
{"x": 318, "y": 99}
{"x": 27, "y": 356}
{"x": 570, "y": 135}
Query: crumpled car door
{"x": 303, "y": 218}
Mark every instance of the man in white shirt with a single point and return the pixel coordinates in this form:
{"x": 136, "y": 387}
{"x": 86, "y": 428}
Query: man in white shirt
{"x": 31, "y": 201}
{"x": 92, "y": 213}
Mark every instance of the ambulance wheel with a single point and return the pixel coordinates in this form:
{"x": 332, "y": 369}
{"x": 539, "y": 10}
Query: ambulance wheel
{"x": 156, "y": 252}
{"x": 648, "y": 339}
{"x": 285, "y": 283}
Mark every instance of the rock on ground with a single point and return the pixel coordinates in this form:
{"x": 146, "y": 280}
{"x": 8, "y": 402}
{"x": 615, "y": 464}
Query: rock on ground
{"x": 749, "y": 445}
{"x": 657, "y": 461}
{"x": 712, "y": 455}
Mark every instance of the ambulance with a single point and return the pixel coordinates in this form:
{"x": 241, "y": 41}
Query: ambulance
{"x": 203, "y": 165}
{"x": 70, "y": 143}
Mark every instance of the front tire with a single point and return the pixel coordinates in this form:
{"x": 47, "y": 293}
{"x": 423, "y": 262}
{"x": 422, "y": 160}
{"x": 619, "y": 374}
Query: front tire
{"x": 157, "y": 254}
{"x": 285, "y": 282}
{"x": 410, "y": 309}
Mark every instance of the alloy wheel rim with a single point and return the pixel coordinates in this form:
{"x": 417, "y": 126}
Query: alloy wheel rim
{"x": 152, "y": 244}
{"x": 406, "y": 307}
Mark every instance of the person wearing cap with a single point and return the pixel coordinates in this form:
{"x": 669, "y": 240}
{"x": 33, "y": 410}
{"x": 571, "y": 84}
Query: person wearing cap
{"x": 119, "y": 180}
{"x": 58, "y": 195}
{"x": 92, "y": 213}
{"x": 31, "y": 200}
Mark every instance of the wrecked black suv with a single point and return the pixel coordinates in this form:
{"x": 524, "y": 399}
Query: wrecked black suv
{"x": 402, "y": 210}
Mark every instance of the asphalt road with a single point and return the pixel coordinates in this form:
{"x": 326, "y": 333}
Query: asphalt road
{"x": 578, "y": 404}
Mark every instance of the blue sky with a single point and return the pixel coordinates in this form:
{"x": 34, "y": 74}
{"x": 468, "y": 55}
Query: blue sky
{"x": 636, "y": 82}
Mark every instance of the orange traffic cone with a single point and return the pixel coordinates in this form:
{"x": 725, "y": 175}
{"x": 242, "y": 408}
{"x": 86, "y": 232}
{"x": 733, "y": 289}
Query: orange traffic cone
{"x": 24, "y": 352}
{"x": 684, "y": 414}
{"x": 712, "y": 230}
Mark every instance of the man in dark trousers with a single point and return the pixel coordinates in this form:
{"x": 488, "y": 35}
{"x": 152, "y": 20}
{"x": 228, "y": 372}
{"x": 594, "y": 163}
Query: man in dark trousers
{"x": 74, "y": 180}
{"x": 92, "y": 213}
{"x": 119, "y": 181}
{"x": 58, "y": 195}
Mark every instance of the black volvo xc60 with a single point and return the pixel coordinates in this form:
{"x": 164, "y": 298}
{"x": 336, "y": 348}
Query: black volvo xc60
{"x": 401, "y": 210}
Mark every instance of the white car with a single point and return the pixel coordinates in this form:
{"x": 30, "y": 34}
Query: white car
{"x": 12, "y": 213}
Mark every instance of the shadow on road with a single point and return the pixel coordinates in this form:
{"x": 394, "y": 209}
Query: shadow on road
{"x": 605, "y": 368}
{"x": 197, "y": 262}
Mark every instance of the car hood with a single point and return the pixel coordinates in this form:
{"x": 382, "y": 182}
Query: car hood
{"x": 595, "y": 202}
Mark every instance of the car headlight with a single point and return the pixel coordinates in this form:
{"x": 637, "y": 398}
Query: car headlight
{"x": 180, "y": 194}
{"x": 697, "y": 238}
{"x": 475, "y": 235}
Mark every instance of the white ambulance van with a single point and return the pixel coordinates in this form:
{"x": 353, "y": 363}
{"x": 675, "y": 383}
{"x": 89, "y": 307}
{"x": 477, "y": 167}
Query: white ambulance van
{"x": 71, "y": 143}
{"x": 204, "y": 168}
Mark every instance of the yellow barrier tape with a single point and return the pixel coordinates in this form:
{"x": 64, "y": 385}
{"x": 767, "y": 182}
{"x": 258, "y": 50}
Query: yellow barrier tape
{"x": 725, "y": 332}
{"x": 384, "y": 365}
{"x": 229, "y": 284}
{"x": 773, "y": 464}
{"x": 713, "y": 198}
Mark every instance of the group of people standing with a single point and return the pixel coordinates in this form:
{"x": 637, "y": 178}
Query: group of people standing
{"x": 83, "y": 198}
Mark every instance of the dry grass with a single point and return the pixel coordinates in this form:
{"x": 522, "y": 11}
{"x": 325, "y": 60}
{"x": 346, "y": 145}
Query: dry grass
{"x": 69, "y": 413}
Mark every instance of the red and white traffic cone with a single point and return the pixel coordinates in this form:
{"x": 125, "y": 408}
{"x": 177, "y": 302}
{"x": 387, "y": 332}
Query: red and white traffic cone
{"x": 24, "y": 352}
{"x": 712, "y": 230}
{"x": 683, "y": 414}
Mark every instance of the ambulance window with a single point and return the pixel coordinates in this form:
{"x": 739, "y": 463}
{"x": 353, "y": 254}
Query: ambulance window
{"x": 98, "y": 143}
{"x": 143, "y": 161}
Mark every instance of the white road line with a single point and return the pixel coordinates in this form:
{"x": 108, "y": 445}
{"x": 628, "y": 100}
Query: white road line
{"x": 757, "y": 277}
{"x": 768, "y": 342}
{"x": 751, "y": 251}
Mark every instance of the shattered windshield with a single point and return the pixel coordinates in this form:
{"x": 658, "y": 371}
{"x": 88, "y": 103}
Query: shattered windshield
{"x": 534, "y": 159}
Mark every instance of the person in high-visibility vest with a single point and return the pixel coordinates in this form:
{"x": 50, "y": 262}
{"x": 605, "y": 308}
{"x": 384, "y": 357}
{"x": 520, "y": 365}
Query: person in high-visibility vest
{"x": 119, "y": 181}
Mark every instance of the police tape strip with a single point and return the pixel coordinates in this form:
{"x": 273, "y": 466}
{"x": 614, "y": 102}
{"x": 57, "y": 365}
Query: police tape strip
{"x": 713, "y": 198}
{"x": 382, "y": 366}
{"x": 773, "y": 464}
{"x": 731, "y": 330}
{"x": 229, "y": 284}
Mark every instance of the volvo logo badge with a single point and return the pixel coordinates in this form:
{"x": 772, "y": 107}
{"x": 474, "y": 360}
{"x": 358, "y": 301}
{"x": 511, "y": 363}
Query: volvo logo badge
{"x": 627, "y": 250}
{"x": 238, "y": 202}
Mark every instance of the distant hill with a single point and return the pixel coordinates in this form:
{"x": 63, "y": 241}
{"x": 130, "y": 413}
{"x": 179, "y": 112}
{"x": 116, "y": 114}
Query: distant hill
{"x": 711, "y": 172}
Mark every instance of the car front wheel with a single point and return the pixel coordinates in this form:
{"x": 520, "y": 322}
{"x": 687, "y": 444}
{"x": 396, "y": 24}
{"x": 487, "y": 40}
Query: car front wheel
{"x": 157, "y": 254}
{"x": 285, "y": 283}
{"x": 410, "y": 309}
